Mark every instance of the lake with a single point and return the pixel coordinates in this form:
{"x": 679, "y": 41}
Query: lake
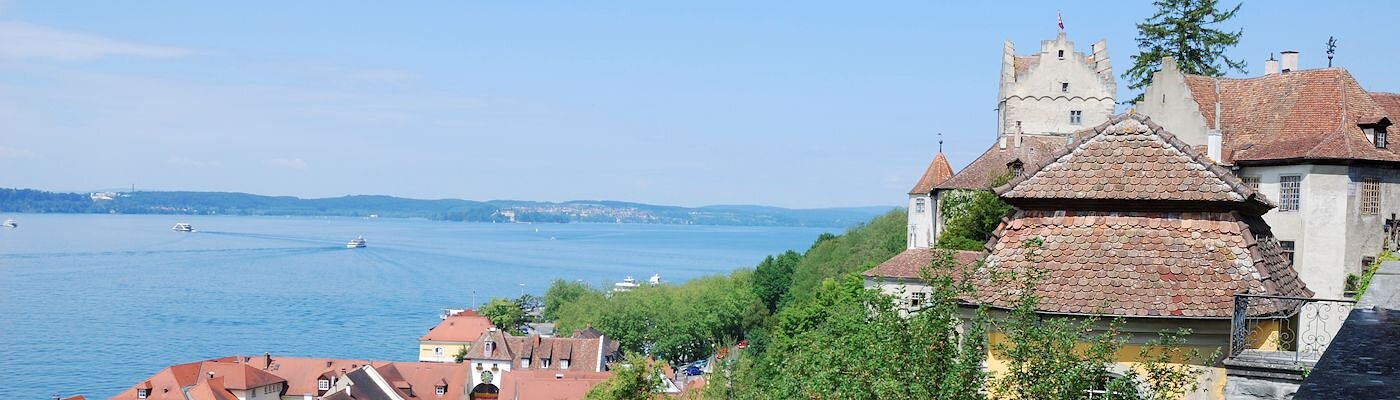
{"x": 91, "y": 304}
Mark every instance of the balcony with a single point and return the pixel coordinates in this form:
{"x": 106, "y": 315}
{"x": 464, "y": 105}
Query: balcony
{"x": 1282, "y": 337}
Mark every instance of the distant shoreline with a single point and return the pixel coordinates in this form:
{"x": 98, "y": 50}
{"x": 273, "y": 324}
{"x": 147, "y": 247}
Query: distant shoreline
{"x": 495, "y": 211}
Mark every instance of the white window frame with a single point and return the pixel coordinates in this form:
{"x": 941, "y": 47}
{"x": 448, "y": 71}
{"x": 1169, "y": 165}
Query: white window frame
{"x": 440, "y": 390}
{"x": 323, "y": 384}
{"x": 919, "y": 206}
{"x": 437, "y": 350}
{"x": 525, "y": 363}
{"x": 564, "y": 363}
{"x": 1076, "y": 117}
{"x": 143, "y": 393}
{"x": 1290, "y": 185}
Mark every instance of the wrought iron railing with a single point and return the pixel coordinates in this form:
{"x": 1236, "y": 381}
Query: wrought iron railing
{"x": 1285, "y": 327}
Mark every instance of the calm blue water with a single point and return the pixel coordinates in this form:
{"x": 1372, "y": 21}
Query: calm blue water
{"x": 91, "y": 304}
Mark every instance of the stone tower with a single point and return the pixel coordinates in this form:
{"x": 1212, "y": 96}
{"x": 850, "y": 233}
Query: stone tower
{"x": 1056, "y": 91}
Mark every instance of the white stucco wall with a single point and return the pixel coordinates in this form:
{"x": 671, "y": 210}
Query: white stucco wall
{"x": 1169, "y": 103}
{"x": 1036, "y": 98}
{"x": 1318, "y": 228}
{"x": 921, "y": 223}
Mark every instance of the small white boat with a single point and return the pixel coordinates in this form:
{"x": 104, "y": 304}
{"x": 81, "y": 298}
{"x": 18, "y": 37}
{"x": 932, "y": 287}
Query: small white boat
{"x": 626, "y": 284}
{"x": 10, "y": 223}
{"x": 182, "y": 227}
{"x": 655, "y": 279}
{"x": 355, "y": 243}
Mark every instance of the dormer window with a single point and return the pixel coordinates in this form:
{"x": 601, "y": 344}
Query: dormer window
{"x": 142, "y": 393}
{"x": 1016, "y": 167}
{"x": 323, "y": 384}
{"x": 525, "y": 362}
{"x": 544, "y": 363}
{"x": 564, "y": 364}
{"x": 1378, "y": 136}
{"x": 440, "y": 390}
{"x": 1374, "y": 130}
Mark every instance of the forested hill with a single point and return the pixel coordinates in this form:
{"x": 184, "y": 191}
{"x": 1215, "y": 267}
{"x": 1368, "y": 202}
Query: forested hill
{"x": 224, "y": 203}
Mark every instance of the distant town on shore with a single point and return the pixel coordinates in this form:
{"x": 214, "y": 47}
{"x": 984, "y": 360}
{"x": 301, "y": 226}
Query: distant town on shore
{"x": 503, "y": 211}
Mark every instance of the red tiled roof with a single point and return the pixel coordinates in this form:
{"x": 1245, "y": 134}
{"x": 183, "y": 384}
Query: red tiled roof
{"x": 1129, "y": 158}
{"x": 466, "y": 326}
{"x": 937, "y": 172}
{"x": 300, "y": 374}
{"x": 908, "y": 264}
{"x": 582, "y": 353}
{"x": 210, "y": 389}
{"x": 1022, "y": 64}
{"x": 1183, "y": 249}
{"x": 546, "y": 385}
{"x": 1299, "y": 115}
{"x": 78, "y": 397}
{"x": 978, "y": 175}
{"x": 1390, "y": 102}
{"x": 238, "y": 376}
{"x": 1140, "y": 264}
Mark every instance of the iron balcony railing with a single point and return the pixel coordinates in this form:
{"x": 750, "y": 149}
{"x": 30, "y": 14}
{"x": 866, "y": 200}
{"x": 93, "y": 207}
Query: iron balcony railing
{"x": 1283, "y": 328}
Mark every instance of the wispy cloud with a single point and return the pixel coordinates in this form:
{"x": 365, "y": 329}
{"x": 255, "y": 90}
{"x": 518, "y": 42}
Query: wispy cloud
{"x": 293, "y": 163}
{"x": 185, "y": 161}
{"x": 14, "y": 153}
{"x": 25, "y": 40}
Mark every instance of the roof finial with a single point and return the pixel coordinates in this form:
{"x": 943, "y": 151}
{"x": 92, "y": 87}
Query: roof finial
{"x": 1060, "y": 20}
{"x": 940, "y": 142}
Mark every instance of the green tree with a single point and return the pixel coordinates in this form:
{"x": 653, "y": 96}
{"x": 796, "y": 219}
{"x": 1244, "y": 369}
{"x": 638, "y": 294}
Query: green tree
{"x": 563, "y": 292}
{"x": 855, "y": 251}
{"x": 1182, "y": 29}
{"x": 773, "y": 276}
{"x": 460, "y": 355}
{"x": 636, "y": 378}
{"x": 505, "y": 314}
{"x": 972, "y": 215}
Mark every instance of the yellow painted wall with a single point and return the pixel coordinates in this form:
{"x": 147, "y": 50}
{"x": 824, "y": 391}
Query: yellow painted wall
{"x": 1265, "y": 336}
{"x": 1212, "y": 383}
{"x": 449, "y": 350}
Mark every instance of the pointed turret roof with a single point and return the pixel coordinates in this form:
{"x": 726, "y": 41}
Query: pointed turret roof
{"x": 937, "y": 172}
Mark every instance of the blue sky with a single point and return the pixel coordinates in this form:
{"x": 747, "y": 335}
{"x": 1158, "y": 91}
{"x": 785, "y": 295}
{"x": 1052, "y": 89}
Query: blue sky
{"x": 797, "y": 104}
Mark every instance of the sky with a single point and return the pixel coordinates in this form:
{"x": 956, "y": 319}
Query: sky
{"x": 788, "y": 103}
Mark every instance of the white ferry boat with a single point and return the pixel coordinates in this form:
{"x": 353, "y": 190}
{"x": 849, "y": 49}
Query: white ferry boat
{"x": 355, "y": 243}
{"x": 182, "y": 227}
{"x": 627, "y": 283}
{"x": 10, "y": 223}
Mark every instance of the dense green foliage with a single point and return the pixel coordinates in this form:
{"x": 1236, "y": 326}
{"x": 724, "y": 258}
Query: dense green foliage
{"x": 209, "y": 203}
{"x": 505, "y": 314}
{"x": 773, "y": 276}
{"x": 1182, "y": 30}
{"x": 859, "y": 249}
{"x": 637, "y": 378}
{"x": 563, "y": 293}
{"x": 678, "y": 323}
{"x": 970, "y": 216}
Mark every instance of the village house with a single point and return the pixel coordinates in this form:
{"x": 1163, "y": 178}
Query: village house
{"x": 1313, "y": 141}
{"x": 297, "y": 378}
{"x": 496, "y": 355}
{"x": 1127, "y": 222}
{"x": 454, "y": 334}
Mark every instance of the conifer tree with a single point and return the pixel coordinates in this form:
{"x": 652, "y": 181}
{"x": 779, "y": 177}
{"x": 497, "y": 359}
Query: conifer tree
{"x": 1182, "y": 29}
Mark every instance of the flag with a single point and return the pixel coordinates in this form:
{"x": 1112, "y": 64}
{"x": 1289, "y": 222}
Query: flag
{"x": 1060, "y": 19}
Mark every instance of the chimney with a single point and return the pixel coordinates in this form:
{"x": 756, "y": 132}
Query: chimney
{"x": 211, "y": 374}
{"x": 1289, "y": 60}
{"x": 1270, "y": 65}
{"x": 267, "y": 360}
{"x": 1213, "y": 144}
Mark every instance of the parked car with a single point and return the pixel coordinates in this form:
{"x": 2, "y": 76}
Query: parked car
{"x": 693, "y": 371}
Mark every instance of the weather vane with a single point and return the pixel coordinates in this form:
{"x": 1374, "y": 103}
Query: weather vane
{"x": 940, "y": 142}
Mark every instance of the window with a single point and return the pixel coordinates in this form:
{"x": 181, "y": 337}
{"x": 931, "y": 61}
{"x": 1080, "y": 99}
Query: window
{"x": 142, "y": 393}
{"x": 1076, "y": 117}
{"x": 1379, "y": 139}
{"x": 1287, "y": 246}
{"x": 913, "y": 238}
{"x": 1016, "y": 167}
{"x": 564, "y": 364}
{"x": 441, "y": 390}
{"x": 525, "y": 363}
{"x": 1370, "y": 196}
{"x": 1064, "y": 87}
{"x": 323, "y": 384}
{"x": 544, "y": 363}
{"x": 437, "y": 350}
{"x": 919, "y": 206}
{"x": 1289, "y": 189}
{"x": 916, "y": 299}
{"x": 1060, "y": 54}
{"x": 1251, "y": 181}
